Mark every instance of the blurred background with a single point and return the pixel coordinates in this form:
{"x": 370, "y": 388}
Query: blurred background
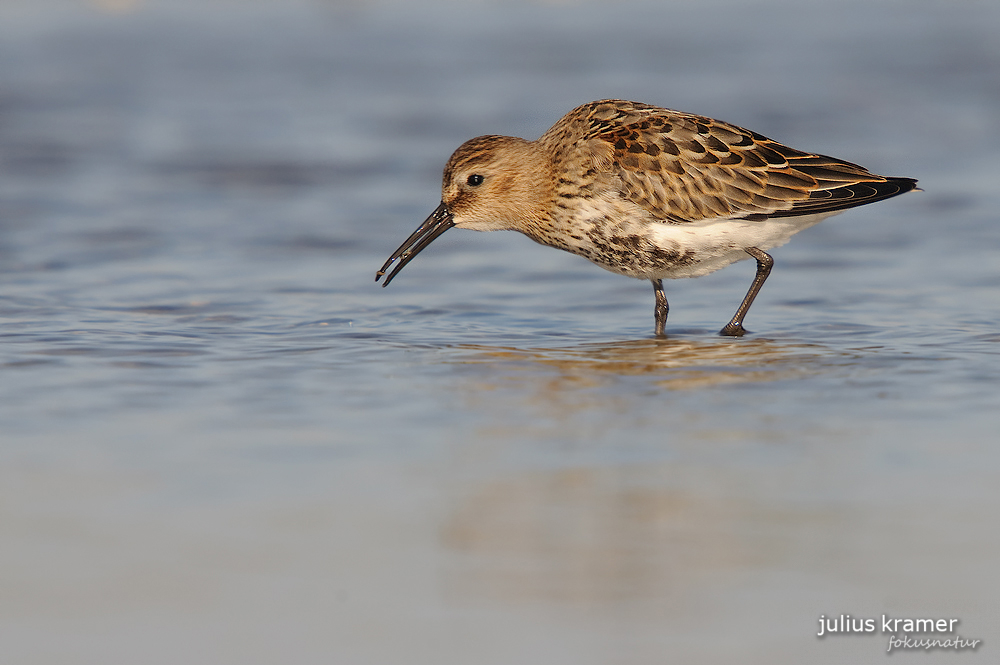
{"x": 222, "y": 442}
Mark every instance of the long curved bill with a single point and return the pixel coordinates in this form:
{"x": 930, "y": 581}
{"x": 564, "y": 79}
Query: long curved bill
{"x": 439, "y": 222}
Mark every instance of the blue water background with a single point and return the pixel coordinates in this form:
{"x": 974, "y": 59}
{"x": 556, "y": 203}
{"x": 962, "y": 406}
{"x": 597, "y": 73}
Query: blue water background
{"x": 222, "y": 442}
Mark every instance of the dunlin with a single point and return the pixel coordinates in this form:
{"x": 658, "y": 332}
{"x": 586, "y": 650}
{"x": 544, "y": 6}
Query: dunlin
{"x": 646, "y": 192}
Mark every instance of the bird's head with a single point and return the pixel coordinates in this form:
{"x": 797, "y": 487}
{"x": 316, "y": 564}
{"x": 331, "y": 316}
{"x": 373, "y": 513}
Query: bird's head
{"x": 491, "y": 183}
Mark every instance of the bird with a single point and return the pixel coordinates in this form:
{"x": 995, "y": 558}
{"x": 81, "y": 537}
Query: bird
{"x": 646, "y": 192}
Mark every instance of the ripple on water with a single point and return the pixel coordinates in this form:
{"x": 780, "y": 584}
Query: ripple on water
{"x": 672, "y": 364}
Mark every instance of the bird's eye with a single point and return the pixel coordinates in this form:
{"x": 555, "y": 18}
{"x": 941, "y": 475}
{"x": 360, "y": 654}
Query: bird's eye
{"x": 475, "y": 180}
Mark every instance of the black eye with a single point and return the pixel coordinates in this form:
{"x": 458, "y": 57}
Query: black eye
{"x": 475, "y": 180}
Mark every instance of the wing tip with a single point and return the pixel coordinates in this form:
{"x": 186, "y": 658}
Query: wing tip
{"x": 850, "y": 195}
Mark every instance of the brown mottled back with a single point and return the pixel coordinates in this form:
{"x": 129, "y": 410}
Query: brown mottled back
{"x": 683, "y": 167}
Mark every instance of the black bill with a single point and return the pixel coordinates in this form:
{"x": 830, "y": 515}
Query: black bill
{"x": 439, "y": 222}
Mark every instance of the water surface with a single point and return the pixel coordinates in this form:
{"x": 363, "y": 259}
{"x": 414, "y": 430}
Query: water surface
{"x": 222, "y": 442}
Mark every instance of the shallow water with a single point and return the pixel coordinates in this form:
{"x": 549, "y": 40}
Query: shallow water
{"x": 222, "y": 442}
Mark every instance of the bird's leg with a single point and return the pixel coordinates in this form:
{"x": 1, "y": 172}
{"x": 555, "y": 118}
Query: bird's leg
{"x": 660, "y": 313}
{"x": 764, "y": 262}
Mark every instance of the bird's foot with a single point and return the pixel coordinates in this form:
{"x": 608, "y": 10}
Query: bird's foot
{"x": 733, "y": 329}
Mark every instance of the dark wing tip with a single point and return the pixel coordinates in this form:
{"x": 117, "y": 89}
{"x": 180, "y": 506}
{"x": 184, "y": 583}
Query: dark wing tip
{"x": 904, "y": 184}
{"x": 849, "y": 195}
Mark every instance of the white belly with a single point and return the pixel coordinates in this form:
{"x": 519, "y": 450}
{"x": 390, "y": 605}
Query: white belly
{"x": 621, "y": 237}
{"x": 715, "y": 244}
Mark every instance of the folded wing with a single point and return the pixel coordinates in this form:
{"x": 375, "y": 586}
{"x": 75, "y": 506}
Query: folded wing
{"x": 683, "y": 167}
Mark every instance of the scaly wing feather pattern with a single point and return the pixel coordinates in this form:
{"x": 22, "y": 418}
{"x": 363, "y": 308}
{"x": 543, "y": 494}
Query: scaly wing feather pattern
{"x": 683, "y": 167}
